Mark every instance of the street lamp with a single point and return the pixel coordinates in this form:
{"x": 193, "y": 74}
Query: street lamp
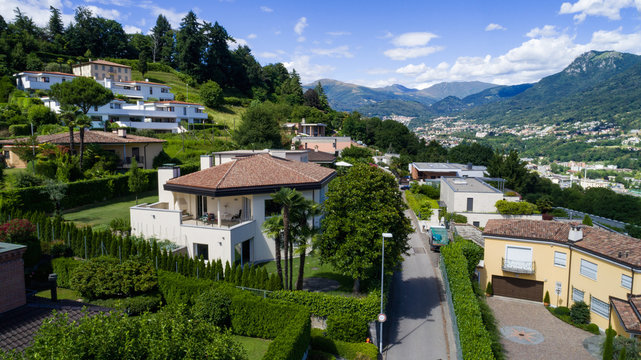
{"x": 381, "y": 316}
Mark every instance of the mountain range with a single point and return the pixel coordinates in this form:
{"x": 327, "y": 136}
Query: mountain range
{"x": 597, "y": 85}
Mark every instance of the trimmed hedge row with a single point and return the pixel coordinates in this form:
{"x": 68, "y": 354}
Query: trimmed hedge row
{"x": 79, "y": 193}
{"x": 349, "y": 351}
{"x": 474, "y": 338}
{"x": 293, "y": 341}
{"x": 178, "y": 289}
{"x": 64, "y": 268}
{"x": 325, "y": 304}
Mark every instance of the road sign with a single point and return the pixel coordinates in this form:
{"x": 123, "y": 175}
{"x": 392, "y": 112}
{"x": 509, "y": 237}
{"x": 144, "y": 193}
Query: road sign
{"x": 382, "y": 318}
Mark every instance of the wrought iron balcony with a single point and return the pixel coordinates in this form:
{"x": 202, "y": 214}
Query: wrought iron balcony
{"x": 518, "y": 266}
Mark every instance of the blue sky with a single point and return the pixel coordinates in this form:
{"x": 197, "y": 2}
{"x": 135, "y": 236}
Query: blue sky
{"x": 378, "y": 43}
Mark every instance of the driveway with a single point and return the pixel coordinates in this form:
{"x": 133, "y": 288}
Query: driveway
{"x": 537, "y": 334}
{"x": 419, "y": 324}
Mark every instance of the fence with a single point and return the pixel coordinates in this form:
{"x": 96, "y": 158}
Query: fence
{"x": 448, "y": 295}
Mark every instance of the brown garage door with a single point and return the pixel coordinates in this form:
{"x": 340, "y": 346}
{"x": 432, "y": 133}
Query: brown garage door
{"x": 518, "y": 288}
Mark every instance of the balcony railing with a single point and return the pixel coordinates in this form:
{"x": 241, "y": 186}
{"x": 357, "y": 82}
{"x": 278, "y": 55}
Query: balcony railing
{"x": 518, "y": 266}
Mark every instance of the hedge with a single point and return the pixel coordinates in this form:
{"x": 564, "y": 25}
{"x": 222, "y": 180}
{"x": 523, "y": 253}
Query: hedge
{"x": 349, "y": 351}
{"x": 346, "y": 327}
{"x": 79, "y": 193}
{"x": 325, "y": 304}
{"x": 474, "y": 338}
{"x": 19, "y": 129}
{"x": 293, "y": 341}
{"x": 177, "y": 289}
{"x": 64, "y": 267}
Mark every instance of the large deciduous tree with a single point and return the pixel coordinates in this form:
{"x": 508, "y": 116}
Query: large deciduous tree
{"x": 84, "y": 93}
{"x": 259, "y": 128}
{"x": 361, "y": 206}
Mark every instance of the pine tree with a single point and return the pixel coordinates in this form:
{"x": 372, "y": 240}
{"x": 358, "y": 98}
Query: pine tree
{"x": 244, "y": 279}
{"x": 162, "y": 41}
{"x": 189, "y": 46}
{"x": 55, "y": 27}
{"x": 218, "y": 60}
{"x": 227, "y": 275}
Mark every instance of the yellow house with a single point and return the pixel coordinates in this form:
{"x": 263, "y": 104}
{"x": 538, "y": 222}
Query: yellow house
{"x": 573, "y": 262}
{"x": 126, "y": 146}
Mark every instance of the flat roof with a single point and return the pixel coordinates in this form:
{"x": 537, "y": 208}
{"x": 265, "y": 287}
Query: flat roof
{"x": 263, "y": 151}
{"x": 473, "y": 185}
{"x": 425, "y": 166}
{"x": 6, "y": 247}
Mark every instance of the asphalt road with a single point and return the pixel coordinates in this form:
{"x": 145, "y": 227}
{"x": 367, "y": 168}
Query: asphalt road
{"x": 418, "y": 319}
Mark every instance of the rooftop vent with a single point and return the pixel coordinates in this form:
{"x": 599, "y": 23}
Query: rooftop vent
{"x": 469, "y": 166}
{"x": 575, "y": 234}
{"x": 460, "y": 182}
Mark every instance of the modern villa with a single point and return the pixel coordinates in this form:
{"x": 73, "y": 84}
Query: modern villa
{"x": 218, "y": 212}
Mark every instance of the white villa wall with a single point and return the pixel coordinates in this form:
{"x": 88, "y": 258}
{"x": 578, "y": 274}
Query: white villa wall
{"x": 482, "y": 203}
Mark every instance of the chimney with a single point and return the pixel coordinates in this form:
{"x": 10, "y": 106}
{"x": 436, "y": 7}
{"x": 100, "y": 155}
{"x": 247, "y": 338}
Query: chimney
{"x": 575, "y": 234}
{"x": 122, "y": 133}
{"x": 469, "y": 166}
{"x": 206, "y": 161}
{"x": 165, "y": 173}
{"x": 303, "y": 120}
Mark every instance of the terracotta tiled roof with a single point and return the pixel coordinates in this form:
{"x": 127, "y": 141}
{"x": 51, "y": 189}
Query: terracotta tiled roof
{"x": 49, "y": 72}
{"x": 320, "y": 156}
{"x": 91, "y": 137}
{"x": 258, "y": 171}
{"x": 18, "y": 326}
{"x": 103, "y": 62}
{"x": 176, "y": 102}
{"x": 620, "y": 248}
{"x": 627, "y": 314}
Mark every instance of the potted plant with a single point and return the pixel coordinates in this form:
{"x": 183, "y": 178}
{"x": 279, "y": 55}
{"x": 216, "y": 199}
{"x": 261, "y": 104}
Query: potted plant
{"x": 489, "y": 290}
{"x": 546, "y": 298}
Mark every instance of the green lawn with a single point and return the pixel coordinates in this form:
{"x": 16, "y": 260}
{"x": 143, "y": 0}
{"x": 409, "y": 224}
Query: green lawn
{"x": 313, "y": 268}
{"x": 256, "y": 347}
{"x": 102, "y": 213}
{"x": 63, "y": 294}
{"x": 13, "y": 171}
{"x": 416, "y": 201}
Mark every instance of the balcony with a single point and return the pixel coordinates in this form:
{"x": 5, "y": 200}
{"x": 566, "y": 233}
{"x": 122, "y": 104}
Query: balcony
{"x": 518, "y": 266}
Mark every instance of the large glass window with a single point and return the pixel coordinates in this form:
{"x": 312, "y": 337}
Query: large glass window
{"x": 201, "y": 250}
{"x": 588, "y": 269}
{"x": 599, "y": 307}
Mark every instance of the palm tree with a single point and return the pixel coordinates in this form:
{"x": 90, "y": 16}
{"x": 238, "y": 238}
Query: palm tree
{"x": 83, "y": 121}
{"x": 288, "y": 198}
{"x": 305, "y": 230}
{"x": 274, "y": 228}
{"x": 68, "y": 116}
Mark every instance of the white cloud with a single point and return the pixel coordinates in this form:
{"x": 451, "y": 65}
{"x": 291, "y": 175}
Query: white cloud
{"x": 607, "y": 8}
{"x": 112, "y": 14}
{"x": 308, "y": 71}
{"x": 238, "y": 43}
{"x": 413, "y": 39}
{"x": 375, "y": 83}
{"x": 493, "y": 26}
{"x": 387, "y": 35}
{"x": 174, "y": 17}
{"x": 300, "y": 25}
{"x": 528, "y": 62}
{"x": 545, "y": 31}
{"x": 129, "y": 29}
{"x": 252, "y": 36}
{"x": 38, "y": 10}
{"x": 300, "y": 39}
{"x": 338, "y": 33}
{"x": 268, "y": 55}
{"x": 338, "y": 52}
{"x": 413, "y": 52}
{"x": 266, "y": 9}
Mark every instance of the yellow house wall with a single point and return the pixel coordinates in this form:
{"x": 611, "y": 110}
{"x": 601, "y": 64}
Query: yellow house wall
{"x": 14, "y": 161}
{"x": 616, "y": 324}
{"x": 608, "y": 283}
{"x": 543, "y": 257}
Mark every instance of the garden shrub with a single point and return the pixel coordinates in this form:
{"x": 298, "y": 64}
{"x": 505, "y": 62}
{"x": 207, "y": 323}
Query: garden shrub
{"x": 22, "y": 232}
{"x": 20, "y": 129}
{"x": 60, "y": 249}
{"x": 105, "y": 277}
{"x": 608, "y": 344}
{"x": 213, "y": 306}
{"x": 580, "y": 313}
{"x": 562, "y": 311}
{"x": 489, "y": 289}
{"x": 325, "y": 304}
{"x": 516, "y": 207}
{"x": 593, "y": 328}
{"x": 135, "y": 305}
{"x": 546, "y": 297}
{"x": 64, "y": 267}
{"x": 475, "y": 340}
{"x": 177, "y": 289}
{"x": 346, "y": 350}
{"x": 346, "y": 327}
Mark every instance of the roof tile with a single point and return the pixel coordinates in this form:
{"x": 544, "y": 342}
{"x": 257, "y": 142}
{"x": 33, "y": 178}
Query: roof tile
{"x": 91, "y": 137}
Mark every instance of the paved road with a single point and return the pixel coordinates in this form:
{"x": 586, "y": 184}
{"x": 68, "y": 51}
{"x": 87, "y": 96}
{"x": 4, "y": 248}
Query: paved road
{"x": 418, "y": 317}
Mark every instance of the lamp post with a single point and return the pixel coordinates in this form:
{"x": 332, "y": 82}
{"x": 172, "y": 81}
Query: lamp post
{"x": 381, "y": 316}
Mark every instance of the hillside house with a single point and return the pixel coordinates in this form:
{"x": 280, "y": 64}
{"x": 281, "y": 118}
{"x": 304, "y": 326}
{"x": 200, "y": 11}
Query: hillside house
{"x": 103, "y": 69}
{"x": 430, "y": 171}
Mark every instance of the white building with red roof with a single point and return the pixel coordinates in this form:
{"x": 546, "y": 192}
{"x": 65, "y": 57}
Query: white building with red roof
{"x": 218, "y": 212}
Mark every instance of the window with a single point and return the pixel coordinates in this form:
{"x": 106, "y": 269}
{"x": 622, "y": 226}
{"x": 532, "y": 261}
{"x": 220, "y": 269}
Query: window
{"x": 626, "y": 281}
{"x": 103, "y": 68}
{"x": 560, "y": 258}
{"x": 476, "y": 223}
{"x": 111, "y": 69}
{"x": 577, "y": 295}
{"x": 125, "y": 71}
{"x": 588, "y": 269}
{"x": 199, "y": 111}
{"x": 271, "y": 208}
{"x": 184, "y": 111}
{"x": 115, "y": 106}
{"x": 64, "y": 80}
{"x": 171, "y": 108}
{"x": 151, "y": 90}
{"x": 599, "y": 307}
{"x": 45, "y": 79}
{"x": 95, "y": 66}
{"x": 137, "y": 87}
{"x": 164, "y": 90}
{"x": 201, "y": 250}
{"x": 95, "y": 108}
{"x": 6, "y": 154}
{"x": 470, "y": 204}
{"x": 119, "y": 69}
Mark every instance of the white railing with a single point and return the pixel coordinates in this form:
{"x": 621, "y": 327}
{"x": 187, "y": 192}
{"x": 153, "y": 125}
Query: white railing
{"x": 518, "y": 266}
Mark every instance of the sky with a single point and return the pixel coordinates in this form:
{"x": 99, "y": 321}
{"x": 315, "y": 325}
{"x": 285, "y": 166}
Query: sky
{"x": 379, "y": 43}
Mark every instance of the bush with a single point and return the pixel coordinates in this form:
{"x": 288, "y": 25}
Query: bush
{"x": 346, "y": 327}
{"x": 20, "y": 130}
{"x": 60, "y": 249}
{"x": 563, "y": 311}
{"x": 608, "y": 344}
{"x": 135, "y": 305}
{"x": 580, "y": 313}
{"x": 177, "y": 289}
{"x": 475, "y": 340}
{"x": 162, "y": 158}
{"x": 593, "y": 328}
{"x": 104, "y": 277}
{"x": 516, "y": 208}
{"x": 350, "y": 351}
{"x": 211, "y": 94}
{"x": 489, "y": 289}
{"x": 323, "y": 305}
{"x": 546, "y": 297}
{"x": 22, "y": 232}
{"x": 293, "y": 341}
{"x": 64, "y": 267}
{"x": 213, "y": 306}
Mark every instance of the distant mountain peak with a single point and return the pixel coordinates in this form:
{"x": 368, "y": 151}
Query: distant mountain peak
{"x": 595, "y": 61}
